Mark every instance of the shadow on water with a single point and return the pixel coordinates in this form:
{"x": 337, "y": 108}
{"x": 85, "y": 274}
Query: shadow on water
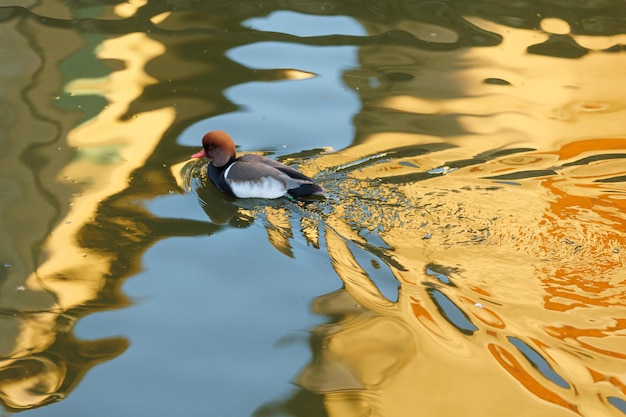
{"x": 476, "y": 220}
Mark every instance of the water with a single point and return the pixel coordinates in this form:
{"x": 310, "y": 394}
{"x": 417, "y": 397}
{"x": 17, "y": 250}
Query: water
{"x": 469, "y": 258}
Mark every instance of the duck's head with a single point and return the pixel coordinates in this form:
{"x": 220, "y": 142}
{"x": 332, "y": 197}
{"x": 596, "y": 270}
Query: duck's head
{"x": 217, "y": 145}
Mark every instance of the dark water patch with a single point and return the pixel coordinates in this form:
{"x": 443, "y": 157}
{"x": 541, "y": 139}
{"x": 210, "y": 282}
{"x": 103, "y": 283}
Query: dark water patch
{"x": 9, "y": 12}
{"x": 378, "y": 119}
{"x": 441, "y": 273}
{"x": 378, "y": 272}
{"x": 399, "y": 77}
{"x": 394, "y": 154}
{"x": 620, "y": 178}
{"x": 411, "y": 177}
{"x": 141, "y": 22}
{"x": 408, "y": 164}
{"x": 499, "y": 153}
{"x": 523, "y": 175}
{"x": 538, "y": 361}
{"x": 450, "y": 166}
{"x": 384, "y": 253}
{"x": 615, "y": 49}
{"x": 451, "y": 312}
{"x": 595, "y": 158}
{"x": 5, "y": 267}
{"x": 560, "y": 46}
{"x": 496, "y": 81}
{"x": 606, "y": 18}
{"x": 602, "y": 25}
{"x": 508, "y": 183}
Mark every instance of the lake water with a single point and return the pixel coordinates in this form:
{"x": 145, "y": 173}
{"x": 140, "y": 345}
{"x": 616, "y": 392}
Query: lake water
{"x": 469, "y": 258}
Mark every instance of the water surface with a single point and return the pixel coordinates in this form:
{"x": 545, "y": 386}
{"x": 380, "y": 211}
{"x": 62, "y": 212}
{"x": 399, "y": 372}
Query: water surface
{"x": 469, "y": 258}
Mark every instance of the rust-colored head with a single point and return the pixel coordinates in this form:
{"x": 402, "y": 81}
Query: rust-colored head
{"x": 217, "y": 145}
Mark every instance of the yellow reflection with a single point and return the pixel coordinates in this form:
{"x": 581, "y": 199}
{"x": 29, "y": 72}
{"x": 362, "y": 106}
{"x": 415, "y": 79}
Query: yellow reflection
{"x": 528, "y": 229}
{"x": 30, "y": 381}
{"x": 279, "y": 229}
{"x": 129, "y": 7}
{"x": 108, "y": 149}
{"x": 108, "y": 131}
{"x": 160, "y": 17}
{"x": 292, "y": 74}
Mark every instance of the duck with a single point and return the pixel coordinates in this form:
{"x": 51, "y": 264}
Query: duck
{"x": 252, "y": 176}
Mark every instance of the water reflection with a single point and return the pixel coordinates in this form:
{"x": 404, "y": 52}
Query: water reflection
{"x": 81, "y": 151}
{"x": 41, "y": 360}
{"x": 447, "y": 292}
{"x": 475, "y": 221}
{"x": 548, "y": 222}
{"x": 504, "y": 307}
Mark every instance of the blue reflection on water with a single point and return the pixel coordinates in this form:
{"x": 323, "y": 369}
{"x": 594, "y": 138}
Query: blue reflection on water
{"x": 441, "y": 277}
{"x": 452, "y": 312}
{"x": 618, "y": 403}
{"x": 539, "y": 362}
{"x": 207, "y": 326}
{"x": 306, "y": 25}
{"x": 285, "y": 115}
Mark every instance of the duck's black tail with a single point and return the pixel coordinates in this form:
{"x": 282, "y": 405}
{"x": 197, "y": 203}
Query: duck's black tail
{"x": 306, "y": 191}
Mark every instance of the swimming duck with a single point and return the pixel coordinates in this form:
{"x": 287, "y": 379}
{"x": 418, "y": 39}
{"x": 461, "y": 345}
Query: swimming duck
{"x": 251, "y": 176}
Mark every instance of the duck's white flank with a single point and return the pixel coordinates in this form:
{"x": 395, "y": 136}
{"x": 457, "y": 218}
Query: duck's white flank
{"x": 264, "y": 187}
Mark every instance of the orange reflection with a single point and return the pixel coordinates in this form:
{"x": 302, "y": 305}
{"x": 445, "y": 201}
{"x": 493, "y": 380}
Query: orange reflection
{"x": 519, "y": 201}
{"x": 569, "y": 333}
{"x": 515, "y": 368}
{"x": 581, "y": 147}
